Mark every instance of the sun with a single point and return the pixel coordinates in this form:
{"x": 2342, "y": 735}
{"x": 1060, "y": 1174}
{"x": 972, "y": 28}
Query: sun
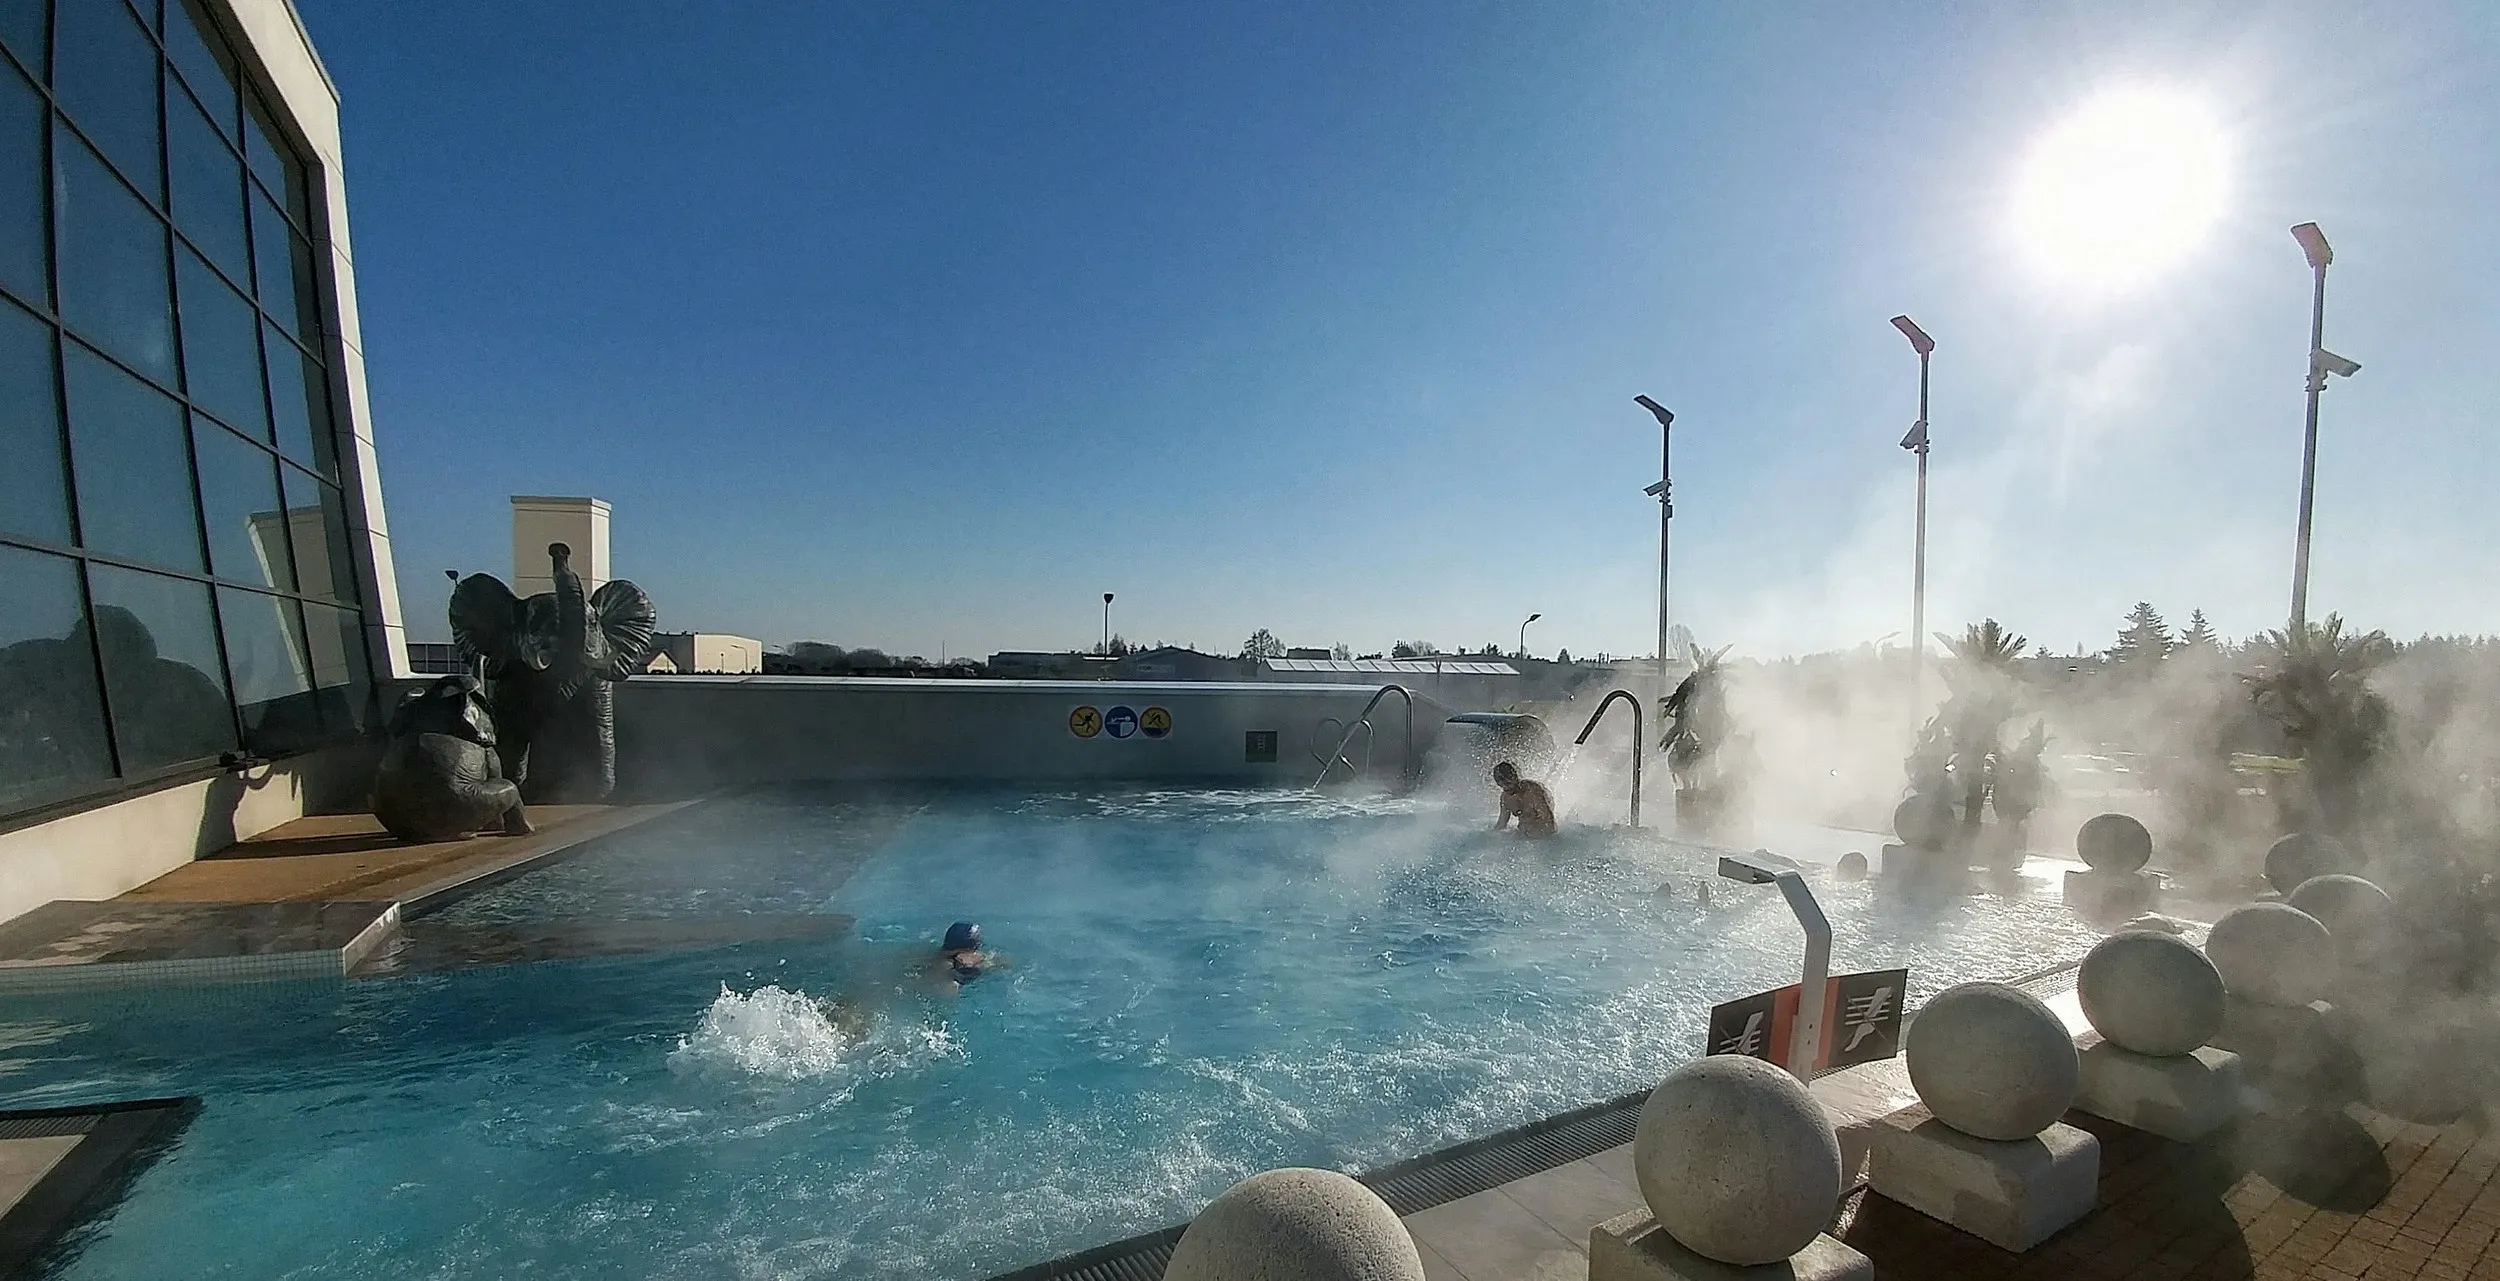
{"x": 2121, "y": 189}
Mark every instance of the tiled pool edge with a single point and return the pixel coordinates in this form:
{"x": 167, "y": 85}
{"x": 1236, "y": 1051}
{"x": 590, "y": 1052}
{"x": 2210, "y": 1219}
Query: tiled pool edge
{"x": 118, "y": 1142}
{"x": 1438, "y": 1178}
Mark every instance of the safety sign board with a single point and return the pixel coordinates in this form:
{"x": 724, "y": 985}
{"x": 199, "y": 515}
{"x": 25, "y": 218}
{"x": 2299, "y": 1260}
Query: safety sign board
{"x": 1085, "y": 722}
{"x": 1155, "y": 722}
{"x": 1120, "y": 722}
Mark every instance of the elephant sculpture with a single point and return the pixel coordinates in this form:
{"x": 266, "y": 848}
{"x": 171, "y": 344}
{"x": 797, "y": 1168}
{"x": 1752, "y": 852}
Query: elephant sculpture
{"x": 440, "y": 778}
{"x": 551, "y": 662}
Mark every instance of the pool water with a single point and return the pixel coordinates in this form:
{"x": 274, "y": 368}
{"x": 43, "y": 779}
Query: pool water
{"x": 1203, "y": 984}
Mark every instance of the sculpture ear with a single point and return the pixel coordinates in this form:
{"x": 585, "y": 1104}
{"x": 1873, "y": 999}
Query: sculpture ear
{"x": 623, "y": 613}
{"x": 485, "y": 616}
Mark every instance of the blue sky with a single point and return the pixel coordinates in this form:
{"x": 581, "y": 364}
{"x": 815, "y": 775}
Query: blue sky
{"x": 922, "y": 326}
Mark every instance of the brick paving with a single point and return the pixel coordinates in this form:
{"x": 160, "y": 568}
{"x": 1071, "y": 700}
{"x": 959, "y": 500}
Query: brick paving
{"x": 2330, "y": 1196}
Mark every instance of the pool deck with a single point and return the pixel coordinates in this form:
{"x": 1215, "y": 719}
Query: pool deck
{"x": 309, "y": 899}
{"x": 2352, "y": 1195}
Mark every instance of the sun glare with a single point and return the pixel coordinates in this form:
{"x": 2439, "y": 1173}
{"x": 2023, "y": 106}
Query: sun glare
{"x": 2121, "y": 189}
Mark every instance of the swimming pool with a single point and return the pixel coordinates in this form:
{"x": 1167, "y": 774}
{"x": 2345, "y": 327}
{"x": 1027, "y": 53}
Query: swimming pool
{"x": 1205, "y": 984}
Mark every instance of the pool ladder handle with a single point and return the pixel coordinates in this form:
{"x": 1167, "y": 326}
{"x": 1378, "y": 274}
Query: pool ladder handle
{"x": 1406, "y": 764}
{"x": 1638, "y": 741}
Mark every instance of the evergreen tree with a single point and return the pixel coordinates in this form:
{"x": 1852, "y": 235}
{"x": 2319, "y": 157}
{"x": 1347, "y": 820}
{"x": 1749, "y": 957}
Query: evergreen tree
{"x": 2145, "y": 639}
{"x": 2199, "y": 634}
{"x": 1262, "y": 644}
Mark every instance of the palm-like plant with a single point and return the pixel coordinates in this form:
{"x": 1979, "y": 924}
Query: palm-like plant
{"x": 2313, "y": 682}
{"x": 1967, "y": 730}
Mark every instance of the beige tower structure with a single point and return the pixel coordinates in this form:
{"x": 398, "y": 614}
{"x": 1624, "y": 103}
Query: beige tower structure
{"x": 578, "y": 523}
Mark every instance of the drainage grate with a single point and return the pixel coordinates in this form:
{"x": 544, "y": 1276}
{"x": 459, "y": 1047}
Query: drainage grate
{"x": 41, "y": 1126}
{"x": 1436, "y": 1178}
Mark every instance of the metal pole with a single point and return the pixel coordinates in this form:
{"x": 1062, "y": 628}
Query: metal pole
{"x": 2309, "y": 453}
{"x": 1918, "y": 573}
{"x": 1805, "y": 1040}
{"x": 1106, "y": 625}
{"x": 1666, "y": 514}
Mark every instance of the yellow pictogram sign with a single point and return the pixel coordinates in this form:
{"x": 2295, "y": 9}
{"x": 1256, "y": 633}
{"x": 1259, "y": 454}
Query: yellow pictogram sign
{"x": 1155, "y": 722}
{"x": 1085, "y": 722}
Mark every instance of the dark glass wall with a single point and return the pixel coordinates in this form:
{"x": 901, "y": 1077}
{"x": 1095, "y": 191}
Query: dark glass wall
{"x": 175, "y": 577}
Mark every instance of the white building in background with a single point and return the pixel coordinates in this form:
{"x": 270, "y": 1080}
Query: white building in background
{"x": 706, "y": 653}
{"x": 196, "y": 593}
{"x": 581, "y": 524}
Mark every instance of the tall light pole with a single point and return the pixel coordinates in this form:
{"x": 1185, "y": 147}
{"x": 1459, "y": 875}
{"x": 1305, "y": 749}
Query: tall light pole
{"x": 1523, "y": 634}
{"x": 1916, "y": 443}
{"x": 2321, "y": 363}
{"x": 1663, "y": 492}
{"x": 1105, "y": 651}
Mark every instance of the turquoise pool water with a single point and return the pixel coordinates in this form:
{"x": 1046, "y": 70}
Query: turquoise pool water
{"x": 1205, "y": 984}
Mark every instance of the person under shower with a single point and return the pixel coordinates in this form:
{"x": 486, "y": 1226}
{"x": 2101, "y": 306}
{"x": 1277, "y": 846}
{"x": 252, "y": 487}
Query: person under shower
{"x": 1524, "y": 800}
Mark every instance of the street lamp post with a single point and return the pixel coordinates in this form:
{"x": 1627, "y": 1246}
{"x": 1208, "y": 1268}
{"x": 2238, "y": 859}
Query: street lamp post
{"x": 1916, "y": 443}
{"x": 1523, "y": 634}
{"x": 1664, "y": 493}
{"x": 2321, "y": 363}
{"x": 1105, "y": 651}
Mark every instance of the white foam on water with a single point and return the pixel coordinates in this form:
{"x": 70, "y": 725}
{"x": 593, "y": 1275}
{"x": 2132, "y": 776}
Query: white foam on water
{"x": 785, "y": 1036}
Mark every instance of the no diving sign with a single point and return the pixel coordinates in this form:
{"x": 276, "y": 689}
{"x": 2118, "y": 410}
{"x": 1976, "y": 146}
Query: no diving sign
{"x": 1120, "y": 722}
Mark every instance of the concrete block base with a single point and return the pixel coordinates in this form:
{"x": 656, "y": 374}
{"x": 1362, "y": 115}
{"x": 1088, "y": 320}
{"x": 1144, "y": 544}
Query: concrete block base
{"x": 2012, "y": 1195}
{"x": 2095, "y": 895}
{"x": 2183, "y": 1097}
{"x": 1632, "y": 1247}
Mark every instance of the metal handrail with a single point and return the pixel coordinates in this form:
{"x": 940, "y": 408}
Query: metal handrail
{"x": 1368, "y": 738}
{"x": 1406, "y": 766}
{"x": 1638, "y": 742}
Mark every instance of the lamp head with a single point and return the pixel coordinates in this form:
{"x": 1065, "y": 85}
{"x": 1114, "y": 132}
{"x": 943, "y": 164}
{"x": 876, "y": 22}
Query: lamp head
{"x": 2328, "y": 362}
{"x": 1666, "y": 417}
{"x": 1532, "y": 618}
{"x": 1919, "y": 341}
{"x": 2313, "y": 245}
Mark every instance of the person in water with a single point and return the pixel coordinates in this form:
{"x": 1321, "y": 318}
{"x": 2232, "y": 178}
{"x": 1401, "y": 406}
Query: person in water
{"x": 961, "y": 958}
{"x": 1524, "y": 799}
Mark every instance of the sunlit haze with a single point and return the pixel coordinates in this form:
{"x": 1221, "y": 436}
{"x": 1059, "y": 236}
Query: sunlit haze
{"x": 2117, "y": 192}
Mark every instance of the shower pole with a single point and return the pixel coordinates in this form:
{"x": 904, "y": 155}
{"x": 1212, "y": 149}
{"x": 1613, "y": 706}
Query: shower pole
{"x": 1916, "y": 443}
{"x": 1666, "y": 512}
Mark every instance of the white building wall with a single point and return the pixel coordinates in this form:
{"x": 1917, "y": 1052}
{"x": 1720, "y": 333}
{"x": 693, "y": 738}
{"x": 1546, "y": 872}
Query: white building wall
{"x": 581, "y": 524}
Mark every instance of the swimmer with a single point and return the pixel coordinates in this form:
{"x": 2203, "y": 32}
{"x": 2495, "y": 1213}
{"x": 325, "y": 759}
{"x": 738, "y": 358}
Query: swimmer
{"x": 961, "y": 958}
{"x": 1525, "y": 800}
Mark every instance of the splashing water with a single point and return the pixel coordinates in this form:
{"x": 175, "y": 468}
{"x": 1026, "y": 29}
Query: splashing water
{"x": 786, "y": 1036}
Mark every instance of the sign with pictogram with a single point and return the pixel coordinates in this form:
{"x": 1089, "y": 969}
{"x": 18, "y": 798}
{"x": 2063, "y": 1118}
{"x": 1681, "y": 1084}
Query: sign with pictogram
{"x": 1085, "y": 722}
{"x": 1154, "y": 722}
{"x": 1120, "y": 722}
{"x": 1861, "y": 1021}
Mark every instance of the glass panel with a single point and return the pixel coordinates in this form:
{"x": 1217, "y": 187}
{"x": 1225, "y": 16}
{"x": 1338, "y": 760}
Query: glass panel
{"x": 272, "y": 671}
{"x": 132, "y": 466}
{"x": 51, "y": 721}
{"x": 22, "y": 118}
{"x": 23, "y": 28}
{"x": 161, "y": 672}
{"x": 247, "y": 526}
{"x": 220, "y": 350}
{"x": 113, "y": 285}
{"x": 208, "y": 190}
{"x": 271, "y": 158}
{"x": 34, "y": 489}
{"x": 321, "y": 560}
{"x": 106, "y": 80}
{"x": 299, "y": 396}
{"x": 283, "y": 261}
{"x": 200, "y": 54}
{"x": 340, "y": 673}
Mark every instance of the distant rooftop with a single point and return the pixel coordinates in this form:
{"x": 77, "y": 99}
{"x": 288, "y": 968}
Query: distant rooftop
{"x": 1412, "y": 666}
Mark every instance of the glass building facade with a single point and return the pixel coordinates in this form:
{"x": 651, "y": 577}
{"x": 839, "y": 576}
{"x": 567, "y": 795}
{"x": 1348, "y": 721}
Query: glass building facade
{"x": 177, "y": 576}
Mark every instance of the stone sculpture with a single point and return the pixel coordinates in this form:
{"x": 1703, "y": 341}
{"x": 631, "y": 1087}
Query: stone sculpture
{"x": 2278, "y": 964}
{"x": 1984, "y": 1149}
{"x": 2301, "y": 856}
{"x": 440, "y": 778}
{"x": 2155, "y": 1001}
{"x": 2357, "y": 914}
{"x": 2114, "y": 849}
{"x": 550, "y": 663}
{"x": 1307, "y": 1225}
{"x": 1741, "y": 1173}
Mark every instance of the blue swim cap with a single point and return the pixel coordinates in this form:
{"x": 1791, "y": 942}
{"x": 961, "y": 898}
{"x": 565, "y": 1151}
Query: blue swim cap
{"x": 963, "y": 936}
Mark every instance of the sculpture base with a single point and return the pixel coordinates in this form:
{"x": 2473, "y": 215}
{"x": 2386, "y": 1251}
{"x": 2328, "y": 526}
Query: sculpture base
{"x": 2183, "y": 1097}
{"x": 2096, "y": 895}
{"x": 1632, "y": 1247}
{"x": 2012, "y": 1195}
{"x": 2290, "y": 1048}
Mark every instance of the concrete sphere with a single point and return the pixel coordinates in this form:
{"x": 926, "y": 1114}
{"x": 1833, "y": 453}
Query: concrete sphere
{"x": 2303, "y": 855}
{"x": 1852, "y": 866}
{"x": 2114, "y": 843}
{"x": 2150, "y": 992}
{"x": 2272, "y": 952}
{"x": 1992, "y": 1061}
{"x": 1296, "y": 1225}
{"x": 1923, "y": 822}
{"x": 2357, "y": 913}
{"x": 1738, "y": 1162}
